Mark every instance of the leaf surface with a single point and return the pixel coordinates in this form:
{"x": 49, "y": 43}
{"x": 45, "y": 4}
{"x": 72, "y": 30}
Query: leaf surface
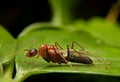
{"x": 27, "y": 66}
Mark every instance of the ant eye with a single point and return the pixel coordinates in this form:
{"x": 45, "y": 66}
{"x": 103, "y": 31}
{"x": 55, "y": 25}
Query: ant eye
{"x": 31, "y": 53}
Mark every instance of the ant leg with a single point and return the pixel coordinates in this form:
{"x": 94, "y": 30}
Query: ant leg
{"x": 85, "y": 51}
{"x": 58, "y": 45}
{"x": 62, "y": 57}
{"x": 78, "y": 57}
{"x": 37, "y": 57}
{"x": 77, "y": 52}
{"x": 33, "y": 62}
{"x": 68, "y": 53}
{"x": 73, "y": 43}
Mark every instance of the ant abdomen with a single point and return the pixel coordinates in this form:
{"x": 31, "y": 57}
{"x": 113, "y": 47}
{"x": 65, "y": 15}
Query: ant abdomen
{"x": 80, "y": 59}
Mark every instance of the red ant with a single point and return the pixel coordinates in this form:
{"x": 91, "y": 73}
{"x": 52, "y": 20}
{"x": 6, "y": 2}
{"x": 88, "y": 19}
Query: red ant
{"x": 57, "y": 54}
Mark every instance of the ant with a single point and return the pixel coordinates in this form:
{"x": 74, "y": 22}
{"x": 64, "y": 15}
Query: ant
{"x": 56, "y": 54}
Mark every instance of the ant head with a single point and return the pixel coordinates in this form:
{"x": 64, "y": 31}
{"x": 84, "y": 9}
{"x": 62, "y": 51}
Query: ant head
{"x": 31, "y": 52}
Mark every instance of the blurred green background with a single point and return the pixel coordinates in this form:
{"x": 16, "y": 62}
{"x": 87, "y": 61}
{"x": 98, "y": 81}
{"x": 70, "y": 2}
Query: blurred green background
{"x": 17, "y": 14}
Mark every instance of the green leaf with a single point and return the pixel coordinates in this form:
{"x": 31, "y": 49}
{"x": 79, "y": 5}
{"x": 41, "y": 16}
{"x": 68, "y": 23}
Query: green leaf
{"x": 34, "y": 27}
{"x": 106, "y": 31}
{"x": 7, "y": 55}
{"x": 7, "y": 46}
{"x": 28, "y": 66}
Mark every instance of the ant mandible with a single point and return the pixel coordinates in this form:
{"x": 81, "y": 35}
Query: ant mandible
{"x": 57, "y": 54}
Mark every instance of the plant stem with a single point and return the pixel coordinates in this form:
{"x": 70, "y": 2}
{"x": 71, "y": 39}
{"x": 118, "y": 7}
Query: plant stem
{"x": 113, "y": 12}
{"x": 7, "y": 76}
{"x": 61, "y": 11}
